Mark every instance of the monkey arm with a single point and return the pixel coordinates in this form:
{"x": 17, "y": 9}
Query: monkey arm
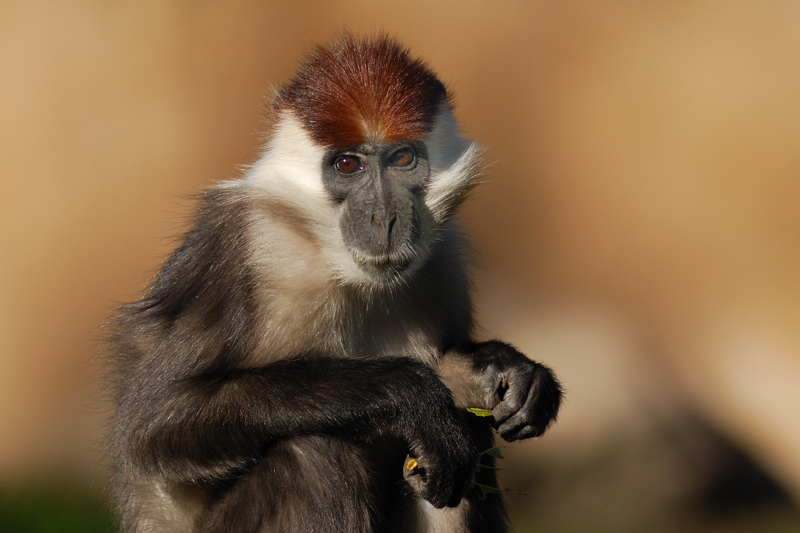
{"x": 208, "y": 427}
{"x": 523, "y": 396}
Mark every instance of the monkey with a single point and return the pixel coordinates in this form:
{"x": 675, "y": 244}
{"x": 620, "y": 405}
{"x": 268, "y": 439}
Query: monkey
{"x": 304, "y": 359}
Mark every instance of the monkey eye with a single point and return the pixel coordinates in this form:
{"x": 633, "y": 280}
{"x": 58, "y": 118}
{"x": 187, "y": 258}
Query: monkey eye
{"x": 403, "y": 158}
{"x": 348, "y": 164}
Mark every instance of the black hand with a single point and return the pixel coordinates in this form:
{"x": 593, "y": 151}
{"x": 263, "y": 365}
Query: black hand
{"x": 443, "y": 448}
{"x": 527, "y": 394}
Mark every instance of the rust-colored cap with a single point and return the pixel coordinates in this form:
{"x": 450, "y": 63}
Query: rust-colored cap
{"x": 363, "y": 90}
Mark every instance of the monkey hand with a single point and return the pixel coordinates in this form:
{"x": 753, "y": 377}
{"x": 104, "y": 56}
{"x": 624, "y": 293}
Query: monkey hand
{"x": 523, "y": 396}
{"x": 443, "y": 451}
{"x": 440, "y": 477}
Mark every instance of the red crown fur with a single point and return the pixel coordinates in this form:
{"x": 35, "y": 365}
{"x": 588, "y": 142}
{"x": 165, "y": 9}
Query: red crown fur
{"x": 363, "y": 90}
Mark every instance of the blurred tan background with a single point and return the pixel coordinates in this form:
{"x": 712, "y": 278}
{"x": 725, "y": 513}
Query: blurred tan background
{"x": 638, "y": 229}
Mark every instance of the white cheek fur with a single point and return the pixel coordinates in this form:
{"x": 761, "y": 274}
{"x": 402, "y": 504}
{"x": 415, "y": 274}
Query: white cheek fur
{"x": 290, "y": 171}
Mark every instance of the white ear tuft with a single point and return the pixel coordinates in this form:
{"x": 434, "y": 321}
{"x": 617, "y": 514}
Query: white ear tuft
{"x": 455, "y": 166}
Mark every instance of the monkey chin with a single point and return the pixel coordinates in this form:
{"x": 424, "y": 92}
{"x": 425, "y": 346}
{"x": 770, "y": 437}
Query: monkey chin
{"x": 386, "y": 270}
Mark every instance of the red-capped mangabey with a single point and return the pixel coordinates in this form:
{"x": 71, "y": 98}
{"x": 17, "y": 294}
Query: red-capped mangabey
{"x": 314, "y": 329}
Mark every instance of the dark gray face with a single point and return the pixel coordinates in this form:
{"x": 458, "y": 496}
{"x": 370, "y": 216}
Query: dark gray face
{"x": 379, "y": 187}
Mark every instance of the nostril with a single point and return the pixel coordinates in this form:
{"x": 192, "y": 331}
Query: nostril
{"x": 391, "y": 224}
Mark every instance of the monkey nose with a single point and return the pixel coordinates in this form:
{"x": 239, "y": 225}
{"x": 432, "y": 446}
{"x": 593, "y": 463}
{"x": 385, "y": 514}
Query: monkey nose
{"x": 385, "y": 225}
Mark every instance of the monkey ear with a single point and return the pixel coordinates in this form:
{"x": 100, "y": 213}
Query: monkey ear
{"x": 455, "y": 166}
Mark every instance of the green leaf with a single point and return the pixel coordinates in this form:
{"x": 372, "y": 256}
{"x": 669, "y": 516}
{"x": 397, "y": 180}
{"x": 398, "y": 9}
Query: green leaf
{"x": 486, "y": 489}
{"x": 479, "y": 412}
{"x": 494, "y": 452}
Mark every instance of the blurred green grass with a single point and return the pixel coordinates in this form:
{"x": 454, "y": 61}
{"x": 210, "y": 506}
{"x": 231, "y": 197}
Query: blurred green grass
{"x": 54, "y": 509}
{"x": 71, "y": 509}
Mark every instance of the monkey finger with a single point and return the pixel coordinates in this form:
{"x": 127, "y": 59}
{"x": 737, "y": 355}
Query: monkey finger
{"x": 426, "y": 483}
{"x": 529, "y": 432}
{"x": 501, "y": 413}
{"x": 414, "y": 477}
{"x": 515, "y": 398}
{"x": 438, "y": 496}
{"x": 512, "y": 428}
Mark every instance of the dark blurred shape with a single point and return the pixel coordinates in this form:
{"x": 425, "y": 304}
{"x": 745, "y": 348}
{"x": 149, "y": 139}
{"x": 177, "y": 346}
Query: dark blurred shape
{"x": 740, "y": 485}
{"x": 680, "y": 474}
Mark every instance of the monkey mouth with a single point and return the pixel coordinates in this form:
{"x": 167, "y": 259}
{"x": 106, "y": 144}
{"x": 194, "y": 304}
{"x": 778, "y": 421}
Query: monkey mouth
{"x": 383, "y": 266}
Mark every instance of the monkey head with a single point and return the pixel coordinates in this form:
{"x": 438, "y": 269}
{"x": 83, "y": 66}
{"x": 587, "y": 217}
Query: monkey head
{"x": 369, "y": 131}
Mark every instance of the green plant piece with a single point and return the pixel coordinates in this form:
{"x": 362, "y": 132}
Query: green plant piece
{"x": 479, "y": 412}
{"x": 494, "y": 452}
{"x": 484, "y": 490}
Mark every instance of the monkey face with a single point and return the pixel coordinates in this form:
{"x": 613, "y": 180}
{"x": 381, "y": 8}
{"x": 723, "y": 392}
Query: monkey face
{"x": 379, "y": 190}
